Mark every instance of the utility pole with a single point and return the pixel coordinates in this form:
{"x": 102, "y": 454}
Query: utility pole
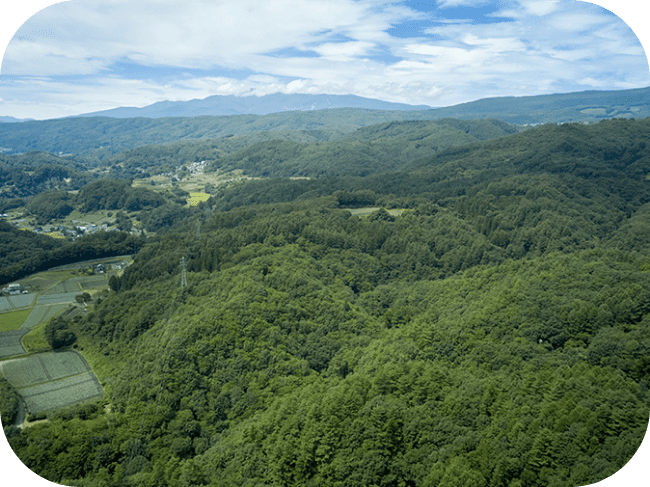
{"x": 183, "y": 273}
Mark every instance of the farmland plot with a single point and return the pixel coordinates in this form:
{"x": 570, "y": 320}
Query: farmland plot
{"x": 40, "y": 314}
{"x": 13, "y": 320}
{"x": 72, "y": 286}
{"x": 25, "y": 372}
{"x": 56, "y": 289}
{"x": 61, "y": 393}
{"x": 10, "y": 343}
{"x": 59, "y": 365}
{"x": 58, "y": 298}
{"x": 94, "y": 283}
{"x": 52, "y": 380}
{"x": 22, "y": 300}
{"x": 5, "y": 304}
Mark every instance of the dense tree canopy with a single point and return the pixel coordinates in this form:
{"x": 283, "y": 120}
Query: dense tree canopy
{"x": 495, "y": 331}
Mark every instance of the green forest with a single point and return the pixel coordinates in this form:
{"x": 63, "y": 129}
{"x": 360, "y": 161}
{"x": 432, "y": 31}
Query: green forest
{"x": 475, "y": 314}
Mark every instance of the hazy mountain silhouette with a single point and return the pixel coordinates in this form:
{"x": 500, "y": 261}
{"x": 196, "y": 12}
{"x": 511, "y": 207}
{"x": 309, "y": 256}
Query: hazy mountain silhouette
{"x": 251, "y": 105}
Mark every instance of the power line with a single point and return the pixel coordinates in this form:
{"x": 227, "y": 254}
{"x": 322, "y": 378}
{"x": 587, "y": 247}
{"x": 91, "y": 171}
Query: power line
{"x": 183, "y": 273}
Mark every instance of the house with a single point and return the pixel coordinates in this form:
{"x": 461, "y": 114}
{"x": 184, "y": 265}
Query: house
{"x": 13, "y": 289}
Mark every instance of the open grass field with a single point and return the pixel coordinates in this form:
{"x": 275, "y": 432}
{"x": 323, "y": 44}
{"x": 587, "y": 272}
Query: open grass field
{"x": 13, "y": 320}
{"x": 35, "y": 341}
{"x": 196, "y": 198}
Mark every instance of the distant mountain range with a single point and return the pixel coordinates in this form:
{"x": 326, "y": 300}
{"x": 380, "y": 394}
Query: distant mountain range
{"x": 13, "y": 120}
{"x": 97, "y": 137}
{"x": 566, "y": 107}
{"x": 251, "y": 105}
{"x": 585, "y": 106}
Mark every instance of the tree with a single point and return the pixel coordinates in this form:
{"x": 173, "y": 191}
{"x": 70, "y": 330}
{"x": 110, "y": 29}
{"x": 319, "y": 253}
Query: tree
{"x": 58, "y": 334}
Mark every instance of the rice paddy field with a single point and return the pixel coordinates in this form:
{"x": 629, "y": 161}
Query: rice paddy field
{"x": 5, "y": 304}
{"x": 52, "y": 380}
{"x": 48, "y": 380}
{"x": 71, "y": 285}
{"x": 29, "y": 371}
{"x": 58, "y": 298}
{"x": 10, "y": 343}
{"x": 40, "y": 314}
{"x": 13, "y": 320}
{"x": 19, "y": 301}
{"x": 97, "y": 283}
{"x": 62, "y": 393}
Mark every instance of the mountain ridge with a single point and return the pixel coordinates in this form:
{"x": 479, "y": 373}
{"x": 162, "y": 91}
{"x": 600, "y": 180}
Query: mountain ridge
{"x": 218, "y": 105}
{"x": 557, "y": 107}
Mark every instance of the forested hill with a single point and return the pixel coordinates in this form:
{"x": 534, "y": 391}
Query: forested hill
{"x": 99, "y": 137}
{"x": 369, "y": 150}
{"x": 565, "y": 107}
{"x": 31, "y": 173}
{"x": 489, "y": 325}
{"x": 286, "y": 153}
{"x": 96, "y": 138}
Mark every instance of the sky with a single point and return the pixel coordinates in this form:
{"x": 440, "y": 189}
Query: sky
{"x": 80, "y": 56}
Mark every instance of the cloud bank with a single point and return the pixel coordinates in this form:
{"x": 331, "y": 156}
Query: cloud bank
{"x": 87, "y": 55}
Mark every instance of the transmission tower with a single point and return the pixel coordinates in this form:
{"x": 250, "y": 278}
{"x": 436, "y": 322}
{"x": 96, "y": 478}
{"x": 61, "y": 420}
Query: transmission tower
{"x": 183, "y": 273}
{"x": 198, "y": 229}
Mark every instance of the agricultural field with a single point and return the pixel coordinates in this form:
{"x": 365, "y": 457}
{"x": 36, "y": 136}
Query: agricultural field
{"x": 13, "y": 320}
{"x": 51, "y": 293}
{"x": 49, "y": 380}
{"x": 40, "y": 282}
{"x": 62, "y": 393}
{"x": 13, "y": 302}
{"x": 52, "y": 380}
{"x": 5, "y": 304}
{"x": 10, "y": 343}
{"x": 42, "y": 313}
{"x": 193, "y": 182}
{"x": 58, "y": 298}
{"x": 367, "y": 211}
{"x": 36, "y": 369}
{"x": 196, "y": 198}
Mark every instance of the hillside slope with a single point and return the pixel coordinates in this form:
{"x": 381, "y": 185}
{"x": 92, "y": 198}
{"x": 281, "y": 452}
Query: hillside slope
{"x": 495, "y": 332}
{"x": 99, "y": 137}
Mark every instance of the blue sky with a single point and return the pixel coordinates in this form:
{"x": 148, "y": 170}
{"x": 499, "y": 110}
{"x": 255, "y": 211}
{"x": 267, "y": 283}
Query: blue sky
{"x": 80, "y": 56}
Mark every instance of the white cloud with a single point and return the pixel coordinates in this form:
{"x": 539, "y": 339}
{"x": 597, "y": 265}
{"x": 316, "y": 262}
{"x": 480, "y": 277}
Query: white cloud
{"x": 75, "y": 56}
{"x": 540, "y": 7}
{"x": 343, "y": 50}
{"x": 185, "y": 34}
